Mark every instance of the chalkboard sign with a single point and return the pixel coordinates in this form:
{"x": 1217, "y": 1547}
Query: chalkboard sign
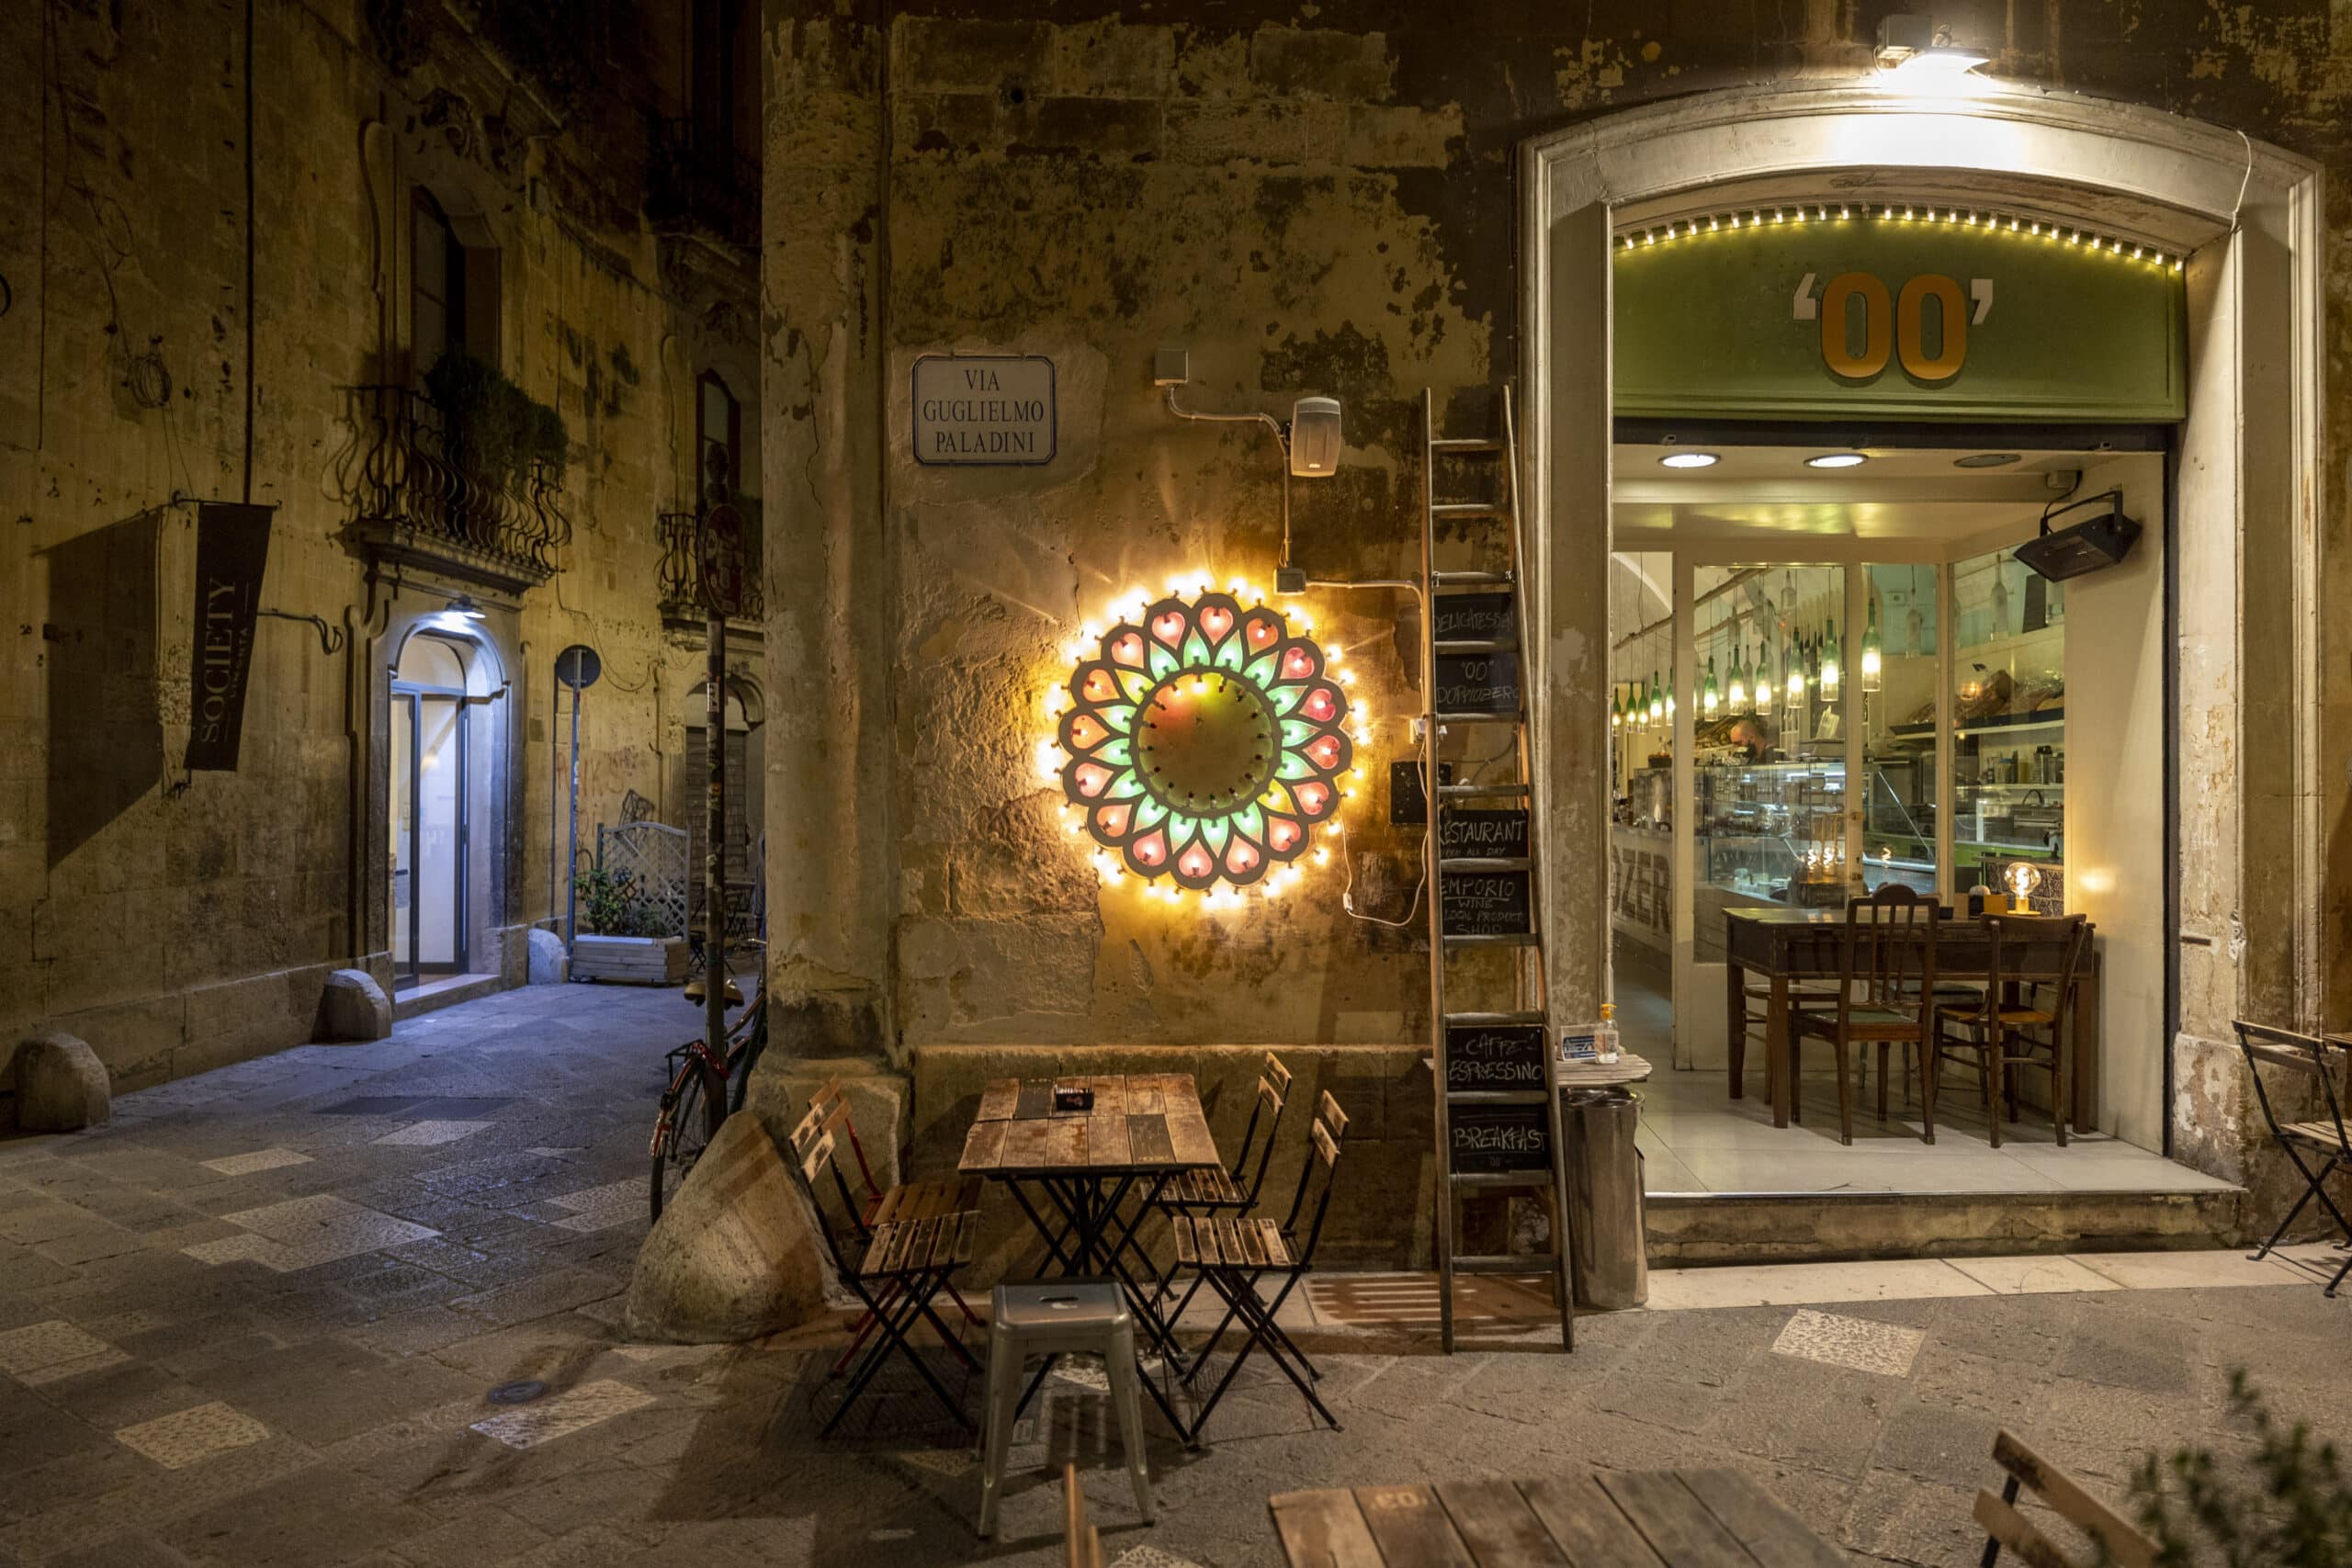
{"x": 1477, "y": 682}
{"x": 1475, "y": 618}
{"x": 1486, "y": 903}
{"x": 1507, "y": 1055}
{"x": 1500, "y": 1137}
{"x": 1493, "y": 835}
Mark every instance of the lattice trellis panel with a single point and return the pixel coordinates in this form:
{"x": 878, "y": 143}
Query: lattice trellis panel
{"x": 653, "y": 855}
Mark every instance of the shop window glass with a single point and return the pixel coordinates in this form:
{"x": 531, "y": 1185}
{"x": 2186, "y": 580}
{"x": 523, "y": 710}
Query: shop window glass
{"x": 1641, "y": 839}
{"x": 2008, "y": 726}
{"x": 1899, "y": 638}
{"x": 1770, "y": 782}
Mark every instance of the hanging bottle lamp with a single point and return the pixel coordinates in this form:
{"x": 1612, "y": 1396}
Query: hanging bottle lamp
{"x": 1657, "y": 698}
{"x": 1739, "y": 693}
{"x": 1797, "y": 675}
{"x": 1709, "y": 694}
{"x": 1616, "y": 709}
{"x": 1873, "y": 679}
{"x": 1763, "y": 682}
{"x": 1669, "y": 696}
{"x": 1831, "y": 675}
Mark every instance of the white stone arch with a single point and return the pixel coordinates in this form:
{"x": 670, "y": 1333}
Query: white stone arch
{"x": 2248, "y": 487}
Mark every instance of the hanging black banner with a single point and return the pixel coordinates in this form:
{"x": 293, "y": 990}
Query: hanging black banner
{"x": 232, "y": 551}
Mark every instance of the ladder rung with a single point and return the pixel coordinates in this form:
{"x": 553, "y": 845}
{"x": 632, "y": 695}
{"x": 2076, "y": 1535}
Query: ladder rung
{"x": 1465, "y": 444}
{"x": 1492, "y": 1018}
{"x": 1508, "y": 1263}
{"x": 1495, "y": 939}
{"x": 1468, "y": 509}
{"x": 1484, "y": 862}
{"x": 1501, "y": 1178}
{"x": 1494, "y": 1097}
{"x": 1471, "y": 579}
{"x": 1510, "y": 717}
{"x": 1516, "y": 791}
{"x": 1461, "y": 646}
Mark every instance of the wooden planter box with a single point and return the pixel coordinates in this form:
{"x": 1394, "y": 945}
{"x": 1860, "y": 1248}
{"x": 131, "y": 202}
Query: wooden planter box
{"x": 630, "y": 960}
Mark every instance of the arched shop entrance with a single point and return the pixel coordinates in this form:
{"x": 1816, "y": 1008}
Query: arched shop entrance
{"x": 1977, "y": 307}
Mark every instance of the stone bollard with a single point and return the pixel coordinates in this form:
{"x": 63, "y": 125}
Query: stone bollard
{"x": 550, "y": 966}
{"x": 62, "y": 1086}
{"x": 353, "y": 1007}
{"x": 735, "y": 1254}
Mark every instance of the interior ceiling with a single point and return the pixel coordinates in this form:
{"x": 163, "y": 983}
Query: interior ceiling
{"x": 2122, "y": 215}
{"x": 1901, "y": 493}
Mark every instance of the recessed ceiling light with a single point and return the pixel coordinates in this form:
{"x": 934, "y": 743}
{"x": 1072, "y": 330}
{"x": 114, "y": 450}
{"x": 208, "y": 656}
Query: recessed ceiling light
{"x": 1689, "y": 460}
{"x": 1836, "y": 460}
{"x": 1985, "y": 460}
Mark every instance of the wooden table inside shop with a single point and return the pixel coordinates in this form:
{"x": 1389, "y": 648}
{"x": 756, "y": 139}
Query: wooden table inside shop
{"x": 1657, "y": 1518}
{"x": 1785, "y": 944}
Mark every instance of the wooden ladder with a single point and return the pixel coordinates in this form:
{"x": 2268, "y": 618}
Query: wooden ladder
{"x": 1474, "y": 629}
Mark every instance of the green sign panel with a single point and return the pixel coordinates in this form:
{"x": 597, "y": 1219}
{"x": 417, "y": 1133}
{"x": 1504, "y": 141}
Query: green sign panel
{"x": 1897, "y": 319}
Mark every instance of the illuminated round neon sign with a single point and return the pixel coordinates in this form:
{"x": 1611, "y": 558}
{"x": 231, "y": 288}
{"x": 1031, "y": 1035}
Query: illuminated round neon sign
{"x": 1204, "y": 741}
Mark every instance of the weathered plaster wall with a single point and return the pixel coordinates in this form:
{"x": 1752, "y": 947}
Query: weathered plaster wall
{"x": 178, "y": 922}
{"x": 1315, "y": 203}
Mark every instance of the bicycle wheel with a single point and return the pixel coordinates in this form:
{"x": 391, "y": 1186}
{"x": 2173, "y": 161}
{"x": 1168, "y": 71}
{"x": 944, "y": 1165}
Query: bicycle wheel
{"x": 696, "y": 1104}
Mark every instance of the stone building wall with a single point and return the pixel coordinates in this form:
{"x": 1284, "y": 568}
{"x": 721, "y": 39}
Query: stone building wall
{"x": 1315, "y": 201}
{"x": 178, "y": 921}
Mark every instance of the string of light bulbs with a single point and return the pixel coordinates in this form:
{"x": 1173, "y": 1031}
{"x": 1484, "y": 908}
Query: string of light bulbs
{"x": 2019, "y": 225}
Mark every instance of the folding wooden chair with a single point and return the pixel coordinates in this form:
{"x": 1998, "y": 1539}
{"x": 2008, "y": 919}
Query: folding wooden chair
{"x": 2002, "y": 1028}
{"x": 1887, "y": 983}
{"x": 829, "y": 1112}
{"x": 1234, "y": 1255}
{"x": 895, "y": 1269}
{"x": 2324, "y": 1140}
{"x": 2117, "y": 1541}
{"x": 1215, "y": 1189}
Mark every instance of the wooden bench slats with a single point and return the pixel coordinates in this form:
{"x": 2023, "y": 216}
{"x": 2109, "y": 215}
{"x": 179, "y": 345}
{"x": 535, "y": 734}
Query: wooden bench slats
{"x": 1280, "y": 1074}
{"x": 1411, "y": 1526}
{"x": 2067, "y": 1498}
{"x": 1772, "y": 1534}
{"x": 1496, "y": 1525}
{"x": 1665, "y": 1512}
{"x": 1578, "y": 1515}
{"x": 1325, "y": 1528}
{"x": 1253, "y": 1245}
{"x": 1186, "y": 1253}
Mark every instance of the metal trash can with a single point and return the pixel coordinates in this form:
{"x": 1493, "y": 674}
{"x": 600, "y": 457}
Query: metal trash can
{"x": 1610, "y": 1253}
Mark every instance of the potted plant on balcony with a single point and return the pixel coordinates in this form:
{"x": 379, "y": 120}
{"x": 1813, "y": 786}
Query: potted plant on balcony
{"x": 620, "y": 935}
{"x": 498, "y": 440}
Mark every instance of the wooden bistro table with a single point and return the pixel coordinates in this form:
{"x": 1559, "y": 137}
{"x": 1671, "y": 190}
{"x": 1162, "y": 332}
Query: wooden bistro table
{"x": 1657, "y": 1518}
{"x": 1785, "y": 944}
{"x": 1074, "y": 1172}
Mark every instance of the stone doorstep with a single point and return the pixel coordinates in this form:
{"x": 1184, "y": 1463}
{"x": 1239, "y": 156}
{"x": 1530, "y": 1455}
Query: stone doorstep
{"x": 1813, "y": 1227}
{"x": 447, "y": 991}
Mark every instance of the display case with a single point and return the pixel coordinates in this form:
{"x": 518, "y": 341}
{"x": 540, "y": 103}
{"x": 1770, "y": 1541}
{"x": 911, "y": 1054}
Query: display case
{"x": 1772, "y": 831}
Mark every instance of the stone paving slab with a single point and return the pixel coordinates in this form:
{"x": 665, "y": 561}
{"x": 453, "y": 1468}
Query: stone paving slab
{"x": 237, "y": 1327}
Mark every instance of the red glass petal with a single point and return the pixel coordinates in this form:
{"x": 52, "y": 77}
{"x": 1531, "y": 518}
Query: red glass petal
{"x": 1168, "y": 626}
{"x": 1243, "y": 858}
{"x": 1323, "y": 751}
{"x": 1128, "y": 649}
{"x": 1151, "y": 850}
{"x": 1322, "y": 704}
{"x": 1313, "y": 796}
{"x": 1216, "y": 620}
{"x": 1086, "y": 732}
{"x": 1091, "y": 779}
{"x": 1114, "y": 817}
{"x": 1284, "y": 834}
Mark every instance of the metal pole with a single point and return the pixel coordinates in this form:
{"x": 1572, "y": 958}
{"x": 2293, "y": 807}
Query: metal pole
{"x": 572, "y": 859}
{"x": 714, "y": 886}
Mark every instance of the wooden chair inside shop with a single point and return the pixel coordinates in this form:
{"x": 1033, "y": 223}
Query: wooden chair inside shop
{"x": 1081, "y": 1542}
{"x": 894, "y": 1266}
{"x": 829, "y": 1112}
{"x": 1886, "y": 978}
{"x": 2029, "y": 994}
{"x": 2318, "y": 1147}
{"x": 2113, "y": 1538}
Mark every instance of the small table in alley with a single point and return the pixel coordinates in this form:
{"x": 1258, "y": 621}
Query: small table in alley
{"x": 1655, "y": 1519}
{"x": 1143, "y": 1130}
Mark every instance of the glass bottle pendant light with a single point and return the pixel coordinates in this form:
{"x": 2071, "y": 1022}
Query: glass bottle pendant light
{"x": 1658, "y": 699}
{"x": 1763, "y": 682}
{"x": 1830, "y": 674}
{"x": 1795, "y": 683}
{"x": 1616, "y": 708}
{"x": 1669, "y": 696}
{"x": 1738, "y": 691}
{"x": 1709, "y": 694}
{"x": 1872, "y": 677}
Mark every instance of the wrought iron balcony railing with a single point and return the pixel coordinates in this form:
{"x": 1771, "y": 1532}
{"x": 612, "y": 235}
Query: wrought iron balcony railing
{"x": 698, "y": 179}
{"x": 682, "y": 568}
{"x": 409, "y": 494}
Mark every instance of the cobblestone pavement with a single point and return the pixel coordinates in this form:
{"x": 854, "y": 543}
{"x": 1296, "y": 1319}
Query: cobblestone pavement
{"x": 256, "y": 1321}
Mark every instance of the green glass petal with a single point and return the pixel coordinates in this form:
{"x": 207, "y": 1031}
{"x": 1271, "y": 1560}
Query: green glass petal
{"x": 1196, "y": 651}
{"x": 1299, "y": 731}
{"x": 1250, "y": 821}
{"x": 1181, "y": 831}
{"x": 1214, "y": 831}
{"x": 1149, "y": 813}
{"x": 1228, "y": 654}
{"x": 1163, "y": 663}
{"x": 1113, "y": 751}
{"x": 1126, "y": 787}
{"x": 1137, "y": 685}
{"x": 1295, "y": 766}
{"x": 1260, "y": 671}
{"x": 1119, "y": 719}
{"x": 1285, "y": 698}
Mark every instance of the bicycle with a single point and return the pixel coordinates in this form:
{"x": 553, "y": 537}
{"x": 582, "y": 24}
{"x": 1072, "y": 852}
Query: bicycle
{"x": 704, "y": 1088}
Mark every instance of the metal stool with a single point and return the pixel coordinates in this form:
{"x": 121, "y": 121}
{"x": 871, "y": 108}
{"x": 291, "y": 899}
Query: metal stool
{"x": 1052, "y": 1318}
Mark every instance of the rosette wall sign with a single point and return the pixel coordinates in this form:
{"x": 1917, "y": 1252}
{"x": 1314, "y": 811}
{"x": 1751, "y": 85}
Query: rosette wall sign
{"x": 1200, "y": 741}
